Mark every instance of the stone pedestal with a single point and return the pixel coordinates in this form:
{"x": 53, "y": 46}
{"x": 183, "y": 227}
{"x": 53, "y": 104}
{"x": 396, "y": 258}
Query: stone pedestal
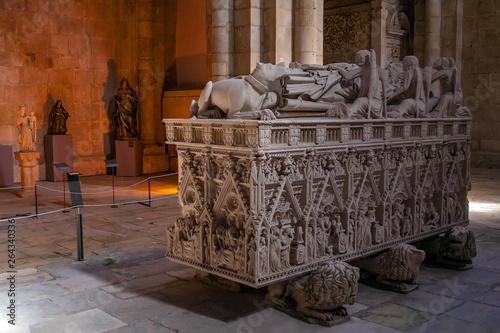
{"x": 154, "y": 159}
{"x": 129, "y": 158}
{"x": 28, "y": 162}
{"x": 58, "y": 149}
{"x": 6, "y": 166}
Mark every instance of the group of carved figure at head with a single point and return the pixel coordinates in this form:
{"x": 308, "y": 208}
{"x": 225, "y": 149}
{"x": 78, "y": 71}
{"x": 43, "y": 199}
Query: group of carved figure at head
{"x": 340, "y": 90}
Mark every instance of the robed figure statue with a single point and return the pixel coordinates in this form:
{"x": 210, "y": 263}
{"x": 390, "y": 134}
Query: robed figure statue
{"x": 57, "y": 119}
{"x": 126, "y": 112}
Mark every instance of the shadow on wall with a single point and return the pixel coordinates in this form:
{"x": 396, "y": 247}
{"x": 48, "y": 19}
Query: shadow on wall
{"x": 41, "y": 132}
{"x": 109, "y": 104}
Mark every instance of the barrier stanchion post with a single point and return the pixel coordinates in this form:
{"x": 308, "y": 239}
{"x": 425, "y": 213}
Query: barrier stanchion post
{"x": 79, "y": 235}
{"x": 112, "y": 164}
{"x": 36, "y": 201}
{"x": 149, "y": 191}
{"x": 77, "y": 201}
{"x": 63, "y": 167}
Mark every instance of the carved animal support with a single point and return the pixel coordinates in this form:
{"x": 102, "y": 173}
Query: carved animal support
{"x": 395, "y": 269}
{"x": 453, "y": 249}
{"x": 318, "y": 297}
{"x": 246, "y": 97}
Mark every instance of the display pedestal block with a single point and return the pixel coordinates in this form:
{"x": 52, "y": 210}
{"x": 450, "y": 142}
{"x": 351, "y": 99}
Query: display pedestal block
{"x": 58, "y": 149}
{"x": 28, "y": 162}
{"x": 6, "y": 166}
{"x": 129, "y": 158}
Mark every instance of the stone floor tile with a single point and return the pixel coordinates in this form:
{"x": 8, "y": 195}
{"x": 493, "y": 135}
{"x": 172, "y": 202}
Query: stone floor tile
{"x": 445, "y": 324}
{"x": 372, "y": 296}
{"x": 477, "y": 313}
{"x": 356, "y": 325}
{"x": 479, "y": 276}
{"x": 137, "y": 308}
{"x": 491, "y": 298}
{"x": 30, "y": 312}
{"x": 492, "y": 264}
{"x": 140, "y": 286}
{"x": 143, "y": 326}
{"x": 456, "y": 288}
{"x": 84, "y": 300}
{"x": 86, "y": 281}
{"x": 89, "y": 321}
{"x": 185, "y": 321}
{"x": 270, "y": 320}
{"x": 40, "y": 291}
{"x": 427, "y": 302}
{"x": 396, "y": 316}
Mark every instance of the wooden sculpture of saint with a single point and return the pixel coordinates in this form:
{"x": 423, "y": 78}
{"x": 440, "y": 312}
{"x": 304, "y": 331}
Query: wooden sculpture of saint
{"x": 57, "y": 119}
{"x": 126, "y": 112}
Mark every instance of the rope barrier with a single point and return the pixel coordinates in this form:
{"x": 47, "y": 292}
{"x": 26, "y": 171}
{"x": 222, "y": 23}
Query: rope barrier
{"x": 102, "y": 192}
{"x": 84, "y": 206}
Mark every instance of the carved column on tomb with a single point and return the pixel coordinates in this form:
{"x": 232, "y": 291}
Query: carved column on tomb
{"x": 145, "y": 71}
{"x": 221, "y": 40}
{"x": 308, "y": 32}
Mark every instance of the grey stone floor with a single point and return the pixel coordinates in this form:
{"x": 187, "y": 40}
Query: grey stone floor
{"x": 126, "y": 285}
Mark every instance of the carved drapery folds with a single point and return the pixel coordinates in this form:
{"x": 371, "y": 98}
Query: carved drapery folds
{"x": 260, "y": 207}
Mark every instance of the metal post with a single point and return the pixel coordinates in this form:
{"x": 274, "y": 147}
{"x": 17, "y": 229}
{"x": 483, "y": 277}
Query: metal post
{"x": 113, "y": 181}
{"x": 36, "y": 201}
{"x": 149, "y": 191}
{"x": 64, "y": 193}
{"x": 79, "y": 235}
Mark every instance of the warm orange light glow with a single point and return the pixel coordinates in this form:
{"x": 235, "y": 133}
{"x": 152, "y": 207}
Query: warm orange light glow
{"x": 165, "y": 190}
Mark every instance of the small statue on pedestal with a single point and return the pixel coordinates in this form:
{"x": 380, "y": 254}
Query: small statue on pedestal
{"x": 26, "y": 124}
{"x": 126, "y": 112}
{"x": 57, "y": 119}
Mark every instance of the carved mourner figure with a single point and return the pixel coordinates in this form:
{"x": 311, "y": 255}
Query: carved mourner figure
{"x": 57, "y": 119}
{"x": 412, "y": 90}
{"x": 26, "y": 124}
{"x": 126, "y": 112}
{"x": 449, "y": 104}
{"x": 369, "y": 102}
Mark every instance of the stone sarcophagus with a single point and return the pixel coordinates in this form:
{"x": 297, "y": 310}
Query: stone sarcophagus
{"x": 264, "y": 201}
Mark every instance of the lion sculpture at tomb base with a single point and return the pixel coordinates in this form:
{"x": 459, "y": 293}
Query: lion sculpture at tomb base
{"x": 454, "y": 249}
{"x": 318, "y": 297}
{"x": 395, "y": 269}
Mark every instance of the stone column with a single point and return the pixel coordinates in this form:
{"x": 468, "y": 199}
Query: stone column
{"x": 222, "y": 36}
{"x": 308, "y": 32}
{"x": 379, "y": 31}
{"x": 432, "y": 31}
{"x": 145, "y": 71}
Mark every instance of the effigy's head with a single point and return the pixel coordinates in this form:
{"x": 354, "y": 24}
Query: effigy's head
{"x": 268, "y": 72}
{"x": 410, "y": 62}
{"x": 362, "y": 58}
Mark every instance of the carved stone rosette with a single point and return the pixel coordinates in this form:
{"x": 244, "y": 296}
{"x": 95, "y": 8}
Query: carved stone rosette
{"x": 266, "y": 201}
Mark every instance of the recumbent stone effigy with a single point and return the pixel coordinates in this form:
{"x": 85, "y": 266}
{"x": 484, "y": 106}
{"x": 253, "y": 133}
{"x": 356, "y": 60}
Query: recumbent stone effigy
{"x": 318, "y": 164}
